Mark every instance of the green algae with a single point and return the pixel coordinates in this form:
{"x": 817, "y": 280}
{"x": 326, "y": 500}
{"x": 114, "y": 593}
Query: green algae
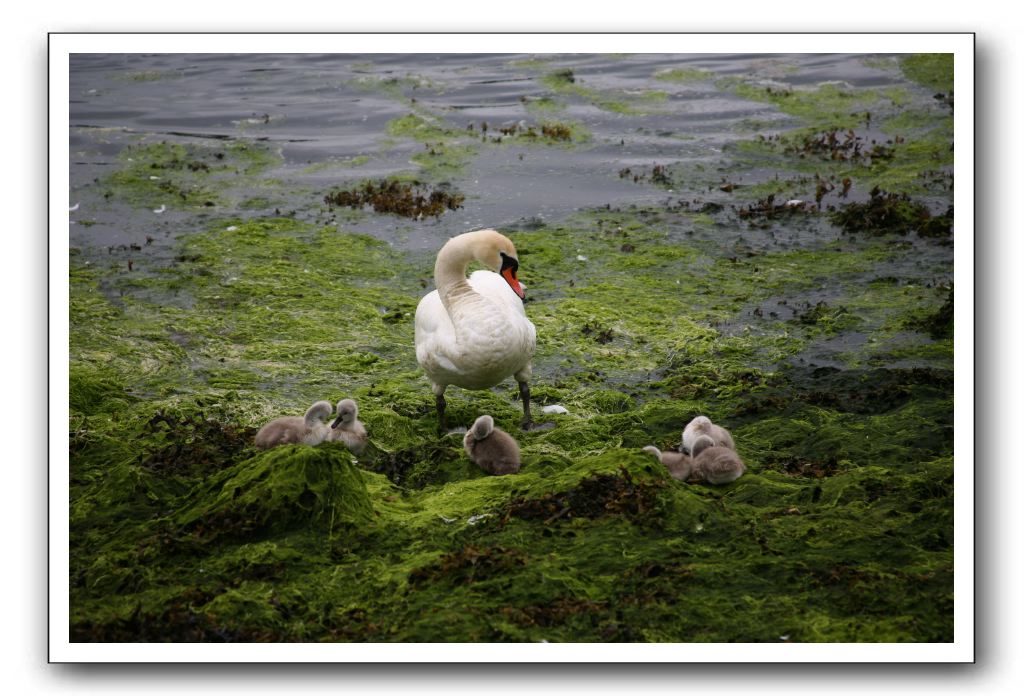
{"x": 338, "y": 163}
{"x": 446, "y": 151}
{"x": 148, "y": 75}
{"x": 684, "y": 75}
{"x": 290, "y": 487}
{"x": 439, "y": 161}
{"x": 420, "y": 127}
{"x": 544, "y": 105}
{"x": 258, "y": 203}
{"x": 546, "y": 132}
{"x": 564, "y": 82}
{"x": 398, "y": 88}
{"x": 880, "y": 62}
{"x": 828, "y": 105}
{"x": 919, "y": 142}
{"x": 840, "y": 531}
{"x": 934, "y": 70}
{"x": 195, "y": 176}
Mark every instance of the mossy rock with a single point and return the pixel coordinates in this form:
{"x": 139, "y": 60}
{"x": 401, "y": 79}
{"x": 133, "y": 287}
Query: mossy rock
{"x": 279, "y": 490}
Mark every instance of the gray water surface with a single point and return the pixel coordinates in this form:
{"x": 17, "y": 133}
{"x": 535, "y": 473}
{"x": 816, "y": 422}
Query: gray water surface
{"x": 327, "y": 110}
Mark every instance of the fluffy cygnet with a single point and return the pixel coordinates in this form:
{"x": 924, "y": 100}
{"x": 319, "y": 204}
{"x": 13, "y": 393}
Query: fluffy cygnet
{"x": 347, "y": 427}
{"x": 715, "y": 464}
{"x": 709, "y": 462}
{"x": 492, "y": 449}
{"x": 310, "y": 430}
{"x": 701, "y": 425}
{"x": 679, "y": 465}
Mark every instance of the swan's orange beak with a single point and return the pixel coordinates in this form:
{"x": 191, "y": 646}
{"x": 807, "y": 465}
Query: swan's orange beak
{"x": 510, "y": 271}
{"x": 509, "y": 275}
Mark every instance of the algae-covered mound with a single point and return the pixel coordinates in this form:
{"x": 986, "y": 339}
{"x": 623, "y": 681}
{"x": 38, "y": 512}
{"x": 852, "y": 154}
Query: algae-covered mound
{"x": 840, "y": 530}
{"x": 282, "y": 489}
{"x": 771, "y": 293}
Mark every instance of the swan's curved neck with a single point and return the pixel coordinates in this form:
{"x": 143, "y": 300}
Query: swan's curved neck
{"x": 449, "y": 271}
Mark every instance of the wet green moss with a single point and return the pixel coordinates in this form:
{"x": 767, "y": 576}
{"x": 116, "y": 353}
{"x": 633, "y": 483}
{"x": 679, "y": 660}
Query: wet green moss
{"x": 546, "y": 132}
{"x": 423, "y": 127}
{"x": 175, "y": 174}
{"x": 934, "y": 70}
{"x": 289, "y": 487}
{"x": 940, "y": 323}
{"x": 684, "y": 75}
{"x": 445, "y": 152}
{"x": 342, "y": 163}
{"x": 399, "y": 88}
{"x": 830, "y": 105}
{"x": 148, "y": 75}
{"x": 543, "y": 106}
{"x": 563, "y": 81}
{"x": 440, "y": 162}
{"x": 839, "y": 145}
{"x": 840, "y": 531}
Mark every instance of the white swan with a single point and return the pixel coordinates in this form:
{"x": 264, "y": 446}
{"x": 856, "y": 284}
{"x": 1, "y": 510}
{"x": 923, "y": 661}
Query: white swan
{"x": 473, "y": 332}
{"x": 347, "y": 427}
{"x": 310, "y": 430}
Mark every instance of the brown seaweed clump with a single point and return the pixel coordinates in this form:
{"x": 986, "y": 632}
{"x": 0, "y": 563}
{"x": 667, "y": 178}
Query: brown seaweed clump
{"x": 941, "y": 323}
{"x": 846, "y": 146}
{"x": 556, "y": 131}
{"x": 895, "y": 213}
{"x": 397, "y": 198}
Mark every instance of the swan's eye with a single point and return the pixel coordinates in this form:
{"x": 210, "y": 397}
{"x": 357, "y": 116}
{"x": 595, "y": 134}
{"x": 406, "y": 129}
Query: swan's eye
{"x": 509, "y": 263}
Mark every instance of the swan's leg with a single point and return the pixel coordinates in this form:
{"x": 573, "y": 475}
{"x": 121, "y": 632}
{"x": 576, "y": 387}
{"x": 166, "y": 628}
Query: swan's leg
{"x": 522, "y": 377}
{"x": 438, "y": 392}
{"x": 527, "y": 419}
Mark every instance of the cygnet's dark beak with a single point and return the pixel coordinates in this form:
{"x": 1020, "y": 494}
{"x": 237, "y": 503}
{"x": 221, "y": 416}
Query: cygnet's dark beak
{"x": 337, "y": 422}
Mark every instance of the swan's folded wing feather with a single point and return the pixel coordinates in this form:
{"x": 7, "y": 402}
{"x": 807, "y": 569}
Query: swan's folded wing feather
{"x": 494, "y": 338}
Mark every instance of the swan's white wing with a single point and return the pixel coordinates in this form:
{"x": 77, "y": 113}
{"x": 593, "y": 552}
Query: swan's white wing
{"x": 434, "y": 332}
{"x": 494, "y": 339}
{"x": 496, "y": 289}
{"x": 515, "y": 327}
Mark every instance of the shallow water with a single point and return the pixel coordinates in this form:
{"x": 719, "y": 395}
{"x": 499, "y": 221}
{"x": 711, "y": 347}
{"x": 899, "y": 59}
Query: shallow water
{"x": 324, "y": 109}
